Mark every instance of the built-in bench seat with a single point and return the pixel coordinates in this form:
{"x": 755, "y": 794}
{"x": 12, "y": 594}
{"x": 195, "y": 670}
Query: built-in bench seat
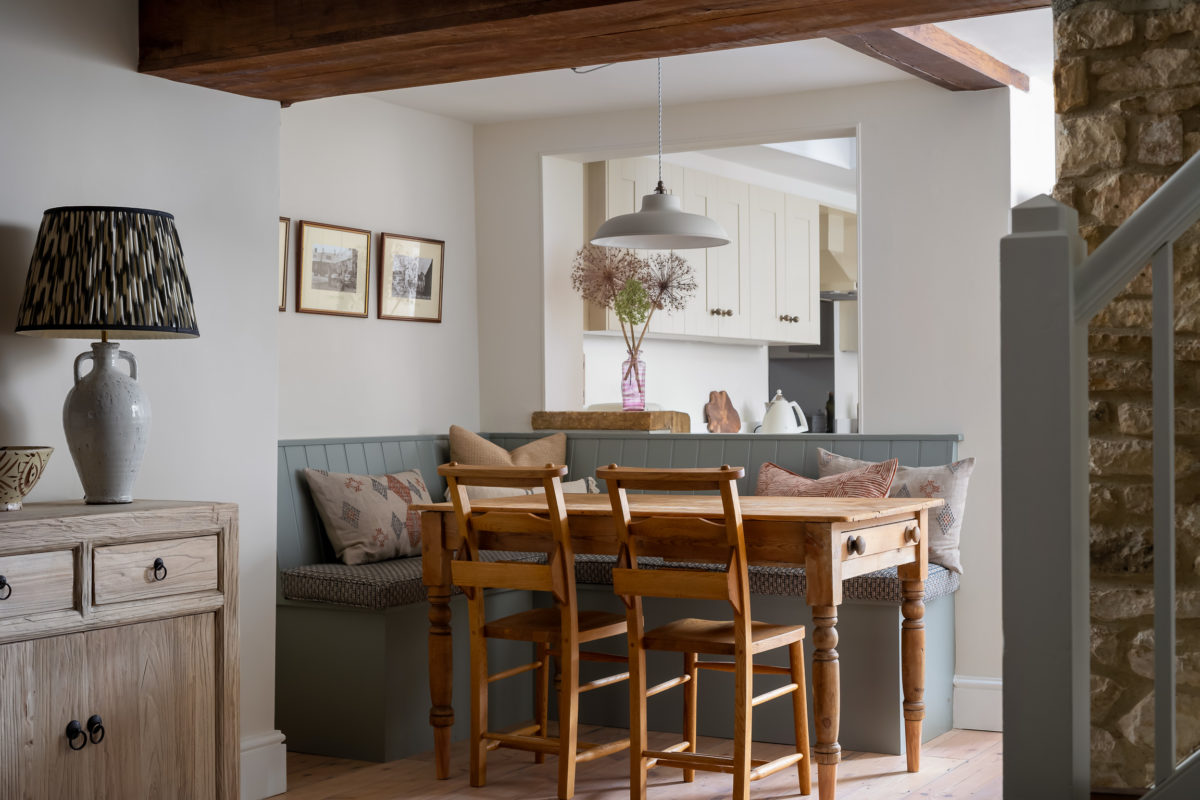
{"x": 351, "y": 656}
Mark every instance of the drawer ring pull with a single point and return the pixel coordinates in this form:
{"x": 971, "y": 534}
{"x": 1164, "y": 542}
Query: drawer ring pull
{"x": 160, "y": 570}
{"x": 856, "y": 544}
{"x": 5, "y": 588}
{"x": 75, "y": 731}
{"x": 95, "y": 727}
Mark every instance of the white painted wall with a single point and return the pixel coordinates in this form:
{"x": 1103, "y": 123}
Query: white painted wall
{"x": 1032, "y": 124}
{"x": 563, "y": 229}
{"x": 362, "y": 163}
{"x": 80, "y": 126}
{"x": 673, "y": 379}
{"x": 934, "y": 193}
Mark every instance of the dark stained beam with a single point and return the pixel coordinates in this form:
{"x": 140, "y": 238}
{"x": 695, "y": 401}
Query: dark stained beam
{"x": 935, "y": 55}
{"x": 291, "y": 50}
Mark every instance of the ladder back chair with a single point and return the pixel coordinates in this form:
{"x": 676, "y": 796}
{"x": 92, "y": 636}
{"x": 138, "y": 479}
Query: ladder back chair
{"x": 740, "y": 638}
{"x": 557, "y": 631}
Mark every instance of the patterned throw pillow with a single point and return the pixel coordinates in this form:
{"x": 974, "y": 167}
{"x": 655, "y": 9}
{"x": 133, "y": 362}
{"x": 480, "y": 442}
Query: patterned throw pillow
{"x": 872, "y": 480}
{"x": 948, "y": 482}
{"x": 471, "y": 448}
{"x": 369, "y": 517}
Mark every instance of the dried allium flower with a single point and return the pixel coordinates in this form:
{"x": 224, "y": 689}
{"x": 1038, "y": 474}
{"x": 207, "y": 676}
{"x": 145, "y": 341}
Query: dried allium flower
{"x": 600, "y": 272}
{"x": 670, "y": 281}
{"x": 632, "y": 304}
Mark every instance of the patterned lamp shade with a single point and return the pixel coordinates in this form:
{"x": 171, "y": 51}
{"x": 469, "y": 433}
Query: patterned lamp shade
{"x": 99, "y": 270}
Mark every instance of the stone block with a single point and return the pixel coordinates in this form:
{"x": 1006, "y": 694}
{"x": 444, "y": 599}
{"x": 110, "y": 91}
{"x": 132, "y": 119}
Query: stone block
{"x": 1113, "y": 602}
{"x": 1105, "y": 694}
{"x": 1118, "y": 374}
{"x": 1100, "y": 417}
{"x": 1104, "y": 503}
{"x": 1135, "y": 419}
{"x": 1119, "y": 344}
{"x": 1070, "y": 84}
{"x": 1091, "y": 26}
{"x": 1129, "y": 313}
{"x": 1090, "y": 142}
{"x": 1172, "y": 101}
{"x": 1161, "y": 68}
{"x": 1137, "y": 726}
{"x": 1168, "y": 23}
{"x": 1105, "y": 646}
{"x": 1122, "y": 549}
{"x": 1186, "y": 348}
{"x": 1187, "y": 657}
{"x": 1191, "y": 144}
{"x": 1113, "y": 198}
{"x": 1137, "y": 500}
{"x": 1160, "y": 140}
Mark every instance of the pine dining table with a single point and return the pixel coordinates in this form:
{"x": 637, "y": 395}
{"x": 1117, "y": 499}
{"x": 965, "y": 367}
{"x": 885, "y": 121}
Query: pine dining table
{"x": 831, "y": 538}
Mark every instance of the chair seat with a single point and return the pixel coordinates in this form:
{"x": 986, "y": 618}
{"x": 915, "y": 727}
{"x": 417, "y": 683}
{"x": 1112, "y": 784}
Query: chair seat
{"x": 542, "y": 625}
{"x": 715, "y": 637}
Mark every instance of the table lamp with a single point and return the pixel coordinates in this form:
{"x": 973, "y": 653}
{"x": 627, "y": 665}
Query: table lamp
{"x": 96, "y": 271}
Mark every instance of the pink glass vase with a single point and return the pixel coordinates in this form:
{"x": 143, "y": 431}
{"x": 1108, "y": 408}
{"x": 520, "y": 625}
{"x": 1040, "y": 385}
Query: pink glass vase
{"x": 633, "y": 383}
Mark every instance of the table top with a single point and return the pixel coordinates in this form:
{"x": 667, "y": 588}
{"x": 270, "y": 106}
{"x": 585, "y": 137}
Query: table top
{"x": 793, "y": 509}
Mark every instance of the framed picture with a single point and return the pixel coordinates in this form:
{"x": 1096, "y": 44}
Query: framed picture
{"x": 285, "y": 224}
{"x": 333, "y": 266}
{"x": 410, "y": 277}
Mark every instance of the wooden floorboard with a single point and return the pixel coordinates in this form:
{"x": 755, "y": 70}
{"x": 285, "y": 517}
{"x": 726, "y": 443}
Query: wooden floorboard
{"x": 955, "y": 766}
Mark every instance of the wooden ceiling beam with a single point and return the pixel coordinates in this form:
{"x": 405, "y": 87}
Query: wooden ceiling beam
{"x": 934, "y": 54}
{"x": 292, "y": 50}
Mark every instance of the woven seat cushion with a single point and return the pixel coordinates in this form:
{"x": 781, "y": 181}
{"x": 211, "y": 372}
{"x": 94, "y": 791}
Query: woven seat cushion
{"x": 786, "y": 581}
{"x": 382, "y": 584}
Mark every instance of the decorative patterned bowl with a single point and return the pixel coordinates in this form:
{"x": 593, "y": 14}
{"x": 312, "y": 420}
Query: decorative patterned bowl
{"x": 20, "y": 469}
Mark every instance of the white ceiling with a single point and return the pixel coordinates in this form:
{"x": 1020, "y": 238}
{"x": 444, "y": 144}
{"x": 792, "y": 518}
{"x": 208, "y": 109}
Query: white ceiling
{"x": 1022, "y": 39}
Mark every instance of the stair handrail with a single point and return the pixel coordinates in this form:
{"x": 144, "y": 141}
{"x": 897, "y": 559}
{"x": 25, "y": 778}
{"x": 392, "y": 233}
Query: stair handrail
{"x": 1163, "y": 218}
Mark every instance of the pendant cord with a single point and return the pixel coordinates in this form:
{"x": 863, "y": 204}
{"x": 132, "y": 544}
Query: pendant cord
{"x": 660, "y": 183}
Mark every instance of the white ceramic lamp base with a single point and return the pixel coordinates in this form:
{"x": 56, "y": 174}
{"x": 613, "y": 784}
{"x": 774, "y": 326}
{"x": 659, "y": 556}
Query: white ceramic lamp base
{"x": 107, "y": 421}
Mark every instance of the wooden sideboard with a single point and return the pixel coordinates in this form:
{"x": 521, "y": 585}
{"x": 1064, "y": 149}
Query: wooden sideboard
{"x": 127, "y": 613}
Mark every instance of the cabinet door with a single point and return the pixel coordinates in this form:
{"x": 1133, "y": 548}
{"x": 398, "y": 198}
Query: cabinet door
{"x": 729, "y": 265}
{"x": 699, "y": 190}
{"x": 768, "y": 265}
{"x": 154, "y": 685}
{"x": 800, "y": 287}
{"x": 45, "y": 686}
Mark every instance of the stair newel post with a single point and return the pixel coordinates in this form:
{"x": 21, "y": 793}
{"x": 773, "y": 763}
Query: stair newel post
{"x": 1044, "y": 418}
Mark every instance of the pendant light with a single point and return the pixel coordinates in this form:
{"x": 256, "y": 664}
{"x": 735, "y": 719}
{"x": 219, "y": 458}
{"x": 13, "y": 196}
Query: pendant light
{"x": 661, "y": 224}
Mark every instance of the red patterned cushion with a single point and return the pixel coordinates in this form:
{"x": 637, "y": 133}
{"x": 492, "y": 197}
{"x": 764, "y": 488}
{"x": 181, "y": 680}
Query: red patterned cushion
{"x": 369, "y": 517}
{"x": 873, "y": 480}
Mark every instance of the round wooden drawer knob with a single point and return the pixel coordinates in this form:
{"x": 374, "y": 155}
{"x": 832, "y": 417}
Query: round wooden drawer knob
{"x": 912, "y": 535}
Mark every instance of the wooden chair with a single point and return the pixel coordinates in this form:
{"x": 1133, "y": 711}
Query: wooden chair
{"x": 740, "y": 637}
{"x": 556, "y": 631}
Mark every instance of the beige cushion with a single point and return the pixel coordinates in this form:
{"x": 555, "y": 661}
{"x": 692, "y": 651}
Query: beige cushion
{"x": 369, "y": 517}
{"x": 872, "y": 480}
{"x": 472, "y": 449}
{"x": 948, "y": 482}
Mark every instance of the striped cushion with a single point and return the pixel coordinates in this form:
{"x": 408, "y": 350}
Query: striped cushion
{"x": 873, "y": 480}
{"x": 383, "y": 584}
{"x": 788, "y": 581}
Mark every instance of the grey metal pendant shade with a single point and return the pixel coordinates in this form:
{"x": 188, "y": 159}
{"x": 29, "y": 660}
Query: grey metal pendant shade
{"x": 661, "y": 223}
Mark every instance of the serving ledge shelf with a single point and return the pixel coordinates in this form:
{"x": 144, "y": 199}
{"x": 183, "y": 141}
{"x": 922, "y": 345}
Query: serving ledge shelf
{"x": 669, "y": 421}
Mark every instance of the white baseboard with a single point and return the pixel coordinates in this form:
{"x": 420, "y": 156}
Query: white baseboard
{"x": 978, "y": 703}
{"x": 264, "y": 765}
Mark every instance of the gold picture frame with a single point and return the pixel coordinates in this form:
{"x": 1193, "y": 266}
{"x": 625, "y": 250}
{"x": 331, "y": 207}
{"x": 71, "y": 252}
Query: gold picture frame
{"x": 285, "y": 225}
{"x": 410, "y": 277}
{"x": 333, "y": 269}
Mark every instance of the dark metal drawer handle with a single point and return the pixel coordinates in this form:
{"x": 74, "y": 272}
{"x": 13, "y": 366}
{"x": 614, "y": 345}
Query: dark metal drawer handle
{"x": 5, "y": 588}
{"x": 75, "y": 731}
{"x": 95, "y": 728}
{"x": 856, "y": 544}
{"x": 160, "y": 570}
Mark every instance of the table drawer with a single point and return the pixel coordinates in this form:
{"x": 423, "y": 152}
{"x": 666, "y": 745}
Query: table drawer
{"x": 866, "y": 542}
{"x": 127, "y": 571}
{"x": 37, "y": 582}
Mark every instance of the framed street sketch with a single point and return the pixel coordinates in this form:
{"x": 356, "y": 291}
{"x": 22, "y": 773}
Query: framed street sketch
{"x": 410, "y": 277}
{"x": 333, "y": 265}
{"x": 285, "y": 223}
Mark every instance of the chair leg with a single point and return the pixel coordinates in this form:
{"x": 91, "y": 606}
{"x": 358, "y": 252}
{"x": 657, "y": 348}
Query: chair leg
{"x": 689, "y": 709}
{"x": 541, "y": 697}
{"x": 637, "y": 703}
{"x": 479, "y": 700}
{"x": 568, "y": 718}
{"x": 800, "y": 715}
{"x": 743, "y": 694}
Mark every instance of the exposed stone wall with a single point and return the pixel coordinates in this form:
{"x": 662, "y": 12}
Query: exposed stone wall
{"x": 1127, "y": 90}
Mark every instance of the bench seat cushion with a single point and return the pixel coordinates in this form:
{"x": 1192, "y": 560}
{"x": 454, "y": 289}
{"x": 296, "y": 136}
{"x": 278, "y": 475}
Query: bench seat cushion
{"x": 786, "y": 581}
{"x": 383, "y": 584}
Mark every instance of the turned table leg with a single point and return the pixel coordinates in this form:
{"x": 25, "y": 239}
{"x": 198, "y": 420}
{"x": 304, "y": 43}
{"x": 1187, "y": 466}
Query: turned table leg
{"x": 441, "y": 680}
{"x": 826, "y": 677}
{"x": 912, "y": 645}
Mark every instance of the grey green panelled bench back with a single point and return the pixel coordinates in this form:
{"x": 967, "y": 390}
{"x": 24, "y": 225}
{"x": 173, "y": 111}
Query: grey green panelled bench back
{"x": 351, "y": 670}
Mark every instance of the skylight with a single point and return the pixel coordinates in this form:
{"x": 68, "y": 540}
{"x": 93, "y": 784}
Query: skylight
{"x": 836, "y": 152}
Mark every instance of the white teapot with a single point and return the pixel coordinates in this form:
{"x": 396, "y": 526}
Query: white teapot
{"x": 783, "y": 416}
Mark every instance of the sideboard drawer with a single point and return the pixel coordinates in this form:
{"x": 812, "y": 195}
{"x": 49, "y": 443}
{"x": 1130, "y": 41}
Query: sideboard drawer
{"x": 128, "y": 571}
{"x": 37, "y": 582}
